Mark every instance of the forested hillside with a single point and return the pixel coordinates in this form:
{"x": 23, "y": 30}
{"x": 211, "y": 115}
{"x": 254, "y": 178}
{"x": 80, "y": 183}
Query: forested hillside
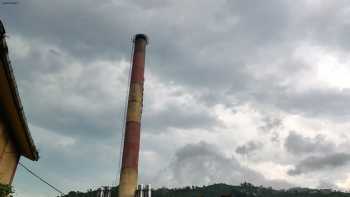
{"x": 218, "y": 190}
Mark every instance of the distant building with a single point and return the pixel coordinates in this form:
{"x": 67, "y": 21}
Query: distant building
{"x": 15, "y": 138}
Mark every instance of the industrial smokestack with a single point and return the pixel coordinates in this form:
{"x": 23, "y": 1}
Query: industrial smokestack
{"x": 129, "y": 168}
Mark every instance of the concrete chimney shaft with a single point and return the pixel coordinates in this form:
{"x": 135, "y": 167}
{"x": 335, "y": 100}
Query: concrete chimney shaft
{"x": 129, "y": 169}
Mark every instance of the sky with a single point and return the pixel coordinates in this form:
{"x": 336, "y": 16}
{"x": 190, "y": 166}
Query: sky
{"x": 235, "y": 90}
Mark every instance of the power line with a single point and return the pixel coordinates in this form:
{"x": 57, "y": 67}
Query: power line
{"x": 41, "y": 179}
{"x": 126, "y": 101}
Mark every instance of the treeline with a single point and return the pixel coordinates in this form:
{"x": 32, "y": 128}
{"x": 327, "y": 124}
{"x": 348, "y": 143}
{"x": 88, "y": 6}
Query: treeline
{"x": 219, "y": 190}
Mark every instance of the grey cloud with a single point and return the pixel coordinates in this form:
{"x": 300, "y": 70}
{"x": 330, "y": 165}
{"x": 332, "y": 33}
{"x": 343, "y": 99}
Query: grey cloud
{"x": 176, "y": 55}
{"x": 182, "y": 57}
{"x": 64, "y": 28}
{"x": 175, "y": 116}
{"x": 201, "y": 164}
{"x": 90, "y": 102}
{"x": 151, "y": 5}
{"x": 327, "y": 103}
{"x": 322, "y": 24}
{"x": 249, "y": 147}
{"x": 273, "y": 14}
{"x": 325, "y": 25}
{"x": 62, "y": 94}
{"x": 170, "y": 59}
{"x": 271, "y": 123}
{"x": 322, "y": 103}
{"x": 275, "y": 137}
{"x": 326, "y": 184}
{"x": 296, "y": 144}
{"x": 317, "y": 163}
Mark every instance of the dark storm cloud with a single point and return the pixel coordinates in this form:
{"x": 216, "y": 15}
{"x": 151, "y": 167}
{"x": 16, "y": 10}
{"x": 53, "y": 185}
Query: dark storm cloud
{"x": 297, "y": 144}
{"x": 202, "y": 163}
{"x": 249, "y": 147}
{"x": 318, "y": 163}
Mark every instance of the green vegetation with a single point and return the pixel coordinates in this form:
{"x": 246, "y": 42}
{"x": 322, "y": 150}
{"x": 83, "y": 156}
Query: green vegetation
{"x": 5, "y": 190}
{"x": 218, "y": 190}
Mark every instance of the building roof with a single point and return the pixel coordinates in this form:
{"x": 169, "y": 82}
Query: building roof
{"x": 10, "y": 104}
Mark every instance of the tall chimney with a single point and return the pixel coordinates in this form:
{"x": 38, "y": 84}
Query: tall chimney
{"x": 129, "y": 168}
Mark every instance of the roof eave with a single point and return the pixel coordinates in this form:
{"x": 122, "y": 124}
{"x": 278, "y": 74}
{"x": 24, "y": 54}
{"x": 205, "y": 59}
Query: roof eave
{"x": 18, "y": 116}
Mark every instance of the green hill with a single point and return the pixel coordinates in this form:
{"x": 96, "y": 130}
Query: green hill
{"x": 218, "y": 190}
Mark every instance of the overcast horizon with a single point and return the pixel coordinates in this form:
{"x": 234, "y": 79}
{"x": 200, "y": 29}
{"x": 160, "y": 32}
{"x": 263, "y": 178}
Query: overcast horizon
{"x": 235, "y": 91}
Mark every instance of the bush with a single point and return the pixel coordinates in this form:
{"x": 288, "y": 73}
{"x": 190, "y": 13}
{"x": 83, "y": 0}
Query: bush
{"x": 5, "y": 190}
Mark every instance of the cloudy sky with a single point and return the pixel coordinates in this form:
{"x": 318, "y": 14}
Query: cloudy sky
{"x": 235, "y": 91}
